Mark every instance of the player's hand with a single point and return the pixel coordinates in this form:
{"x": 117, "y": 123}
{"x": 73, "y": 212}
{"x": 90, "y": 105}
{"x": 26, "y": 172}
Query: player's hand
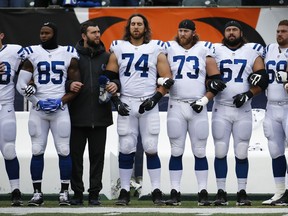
{"x": 29, "y": 90}
{"x": 44, "y": 105}
{"x": 75, "y": 86}
{"x": 150, "y": 103}
{"x": 165, "y": 82}
{"x": 281, "y": 76}
{"x": 216, "y": 84}
{"x": 198, "y": 105}
{"x": 55, "y": 104}
{"x": 111, "y": 87}
{"x": 240, "y": 99}
{"x": 2, "y": 68}
{"x": 122, "y": 108}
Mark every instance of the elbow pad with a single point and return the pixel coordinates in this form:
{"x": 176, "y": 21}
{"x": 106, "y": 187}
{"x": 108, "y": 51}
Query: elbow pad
{"x": 111, "y": 74}
{"x": 259, "y": 78}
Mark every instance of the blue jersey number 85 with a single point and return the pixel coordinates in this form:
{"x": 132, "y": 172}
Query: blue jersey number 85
{"x": 45, "y": 68}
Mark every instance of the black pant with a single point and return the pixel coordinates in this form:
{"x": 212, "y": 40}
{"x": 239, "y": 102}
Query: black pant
{"x": 96, "y": 138}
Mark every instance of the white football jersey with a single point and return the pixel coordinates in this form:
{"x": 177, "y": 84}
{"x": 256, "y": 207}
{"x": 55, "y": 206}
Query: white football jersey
{"x": 235, "y": 67}
{"x": 137, "y": 66}
{"x": 11, "y": 55}
{"x": 189, "y": 69}
{"x": 50, "y": 69}
{"x": 275, "y": 60}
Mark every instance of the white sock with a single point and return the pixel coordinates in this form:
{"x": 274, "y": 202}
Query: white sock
{"x": 175, "y": 179}
{"x": 14, "y": 184}
{"x": 221, "y": 183}
{"x": 279, "y": 185}
{"x": 155, "y": 176}
{"x": 242, "y": 182}
{"x": 125, "y": 176}
{"x": 202, "y": 176}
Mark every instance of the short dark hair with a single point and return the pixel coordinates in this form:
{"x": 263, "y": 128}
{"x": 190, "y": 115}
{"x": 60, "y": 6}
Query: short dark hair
{"x": 282, "y": 22}
{"x": 84, "y": 26}
{"x": 147, "y": 34}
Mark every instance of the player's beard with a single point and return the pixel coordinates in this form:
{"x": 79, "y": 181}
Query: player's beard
{"x": 233, "y": 43}
{"x": 92, "y": 43}
{"x": 185, "y": 41}
{"x": 281, "y": 41}
{"x": 137, "y": 36}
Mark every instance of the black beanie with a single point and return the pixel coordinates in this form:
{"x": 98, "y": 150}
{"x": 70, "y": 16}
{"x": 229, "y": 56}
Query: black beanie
{"x": 233, "y": 23}
{"x": 52, "y": 43}
{"x": 187, "y": 24}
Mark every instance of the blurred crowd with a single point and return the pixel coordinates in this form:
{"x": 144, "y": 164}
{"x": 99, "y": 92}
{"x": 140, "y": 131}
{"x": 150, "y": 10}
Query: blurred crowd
{"x": 135, "y": 3}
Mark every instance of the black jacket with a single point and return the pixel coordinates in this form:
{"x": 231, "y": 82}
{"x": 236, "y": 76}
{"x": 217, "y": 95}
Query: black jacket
{"x": 85, "y": 109}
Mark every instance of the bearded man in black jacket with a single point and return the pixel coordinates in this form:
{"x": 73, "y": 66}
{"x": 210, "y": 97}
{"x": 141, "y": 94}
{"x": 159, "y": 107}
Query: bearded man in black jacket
{"x": 89, "y": 116}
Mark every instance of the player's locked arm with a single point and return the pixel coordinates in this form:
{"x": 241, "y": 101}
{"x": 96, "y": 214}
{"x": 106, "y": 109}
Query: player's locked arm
{"x": 25, "y": 87}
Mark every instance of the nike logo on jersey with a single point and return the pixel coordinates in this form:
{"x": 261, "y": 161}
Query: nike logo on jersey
{"x": 9, "y": 110}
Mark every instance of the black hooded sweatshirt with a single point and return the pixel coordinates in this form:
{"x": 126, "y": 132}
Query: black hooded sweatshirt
{"x": 85, "y": 110}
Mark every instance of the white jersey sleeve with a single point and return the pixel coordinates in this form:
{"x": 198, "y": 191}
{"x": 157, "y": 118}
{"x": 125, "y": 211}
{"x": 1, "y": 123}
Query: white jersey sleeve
{"x": 11, "y": 55}
{"x": 235, "y": 67}
{"x": 137, "y": 66}
{"x": 275, "y": 60}
{"x": 189, "y": 69}
{"x": 50, "y": 69}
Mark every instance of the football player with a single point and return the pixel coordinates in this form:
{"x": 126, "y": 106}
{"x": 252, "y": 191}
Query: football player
{"x": 276, "y": 118}
{"x": 190, "y": 61}
{"x": 242, "y": 69}
{"x": 137, "y": 60}
{"x": 49, "y": 65}
{"x": 11, "y": 56}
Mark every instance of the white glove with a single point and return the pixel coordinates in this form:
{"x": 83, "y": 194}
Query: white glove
{"x": 281, "y": 76}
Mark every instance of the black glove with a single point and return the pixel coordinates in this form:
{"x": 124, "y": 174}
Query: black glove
{"x": 150, "y": 103}
{"x": 198, "y": 105}
{"x": 240, "y": 99}
{"x": 216, "y": 85}
{"x": 197, "y": 108}
{"x": 122, "y": 108}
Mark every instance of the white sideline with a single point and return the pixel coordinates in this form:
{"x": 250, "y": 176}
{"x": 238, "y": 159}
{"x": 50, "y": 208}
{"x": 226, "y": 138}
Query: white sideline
{"x": 112, "y": 210}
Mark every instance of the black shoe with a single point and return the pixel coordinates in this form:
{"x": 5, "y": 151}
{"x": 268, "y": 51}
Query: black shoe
{"x": 157, "y": 197}
{"x": 16, "y": 198}
{"x": 64, "y": 198}
{"x": 175, "y": 198}
{"x": 203, "y": 198}
{"x": 93, "y": 198}
{"x": 37, "y": 199}
{"x": 77, "y": 199}
{"x": 283, "y": 201}
{"x": 124, "y": 198}
{"x": 221, "y": 198}
{"x": 242, "y": 199}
